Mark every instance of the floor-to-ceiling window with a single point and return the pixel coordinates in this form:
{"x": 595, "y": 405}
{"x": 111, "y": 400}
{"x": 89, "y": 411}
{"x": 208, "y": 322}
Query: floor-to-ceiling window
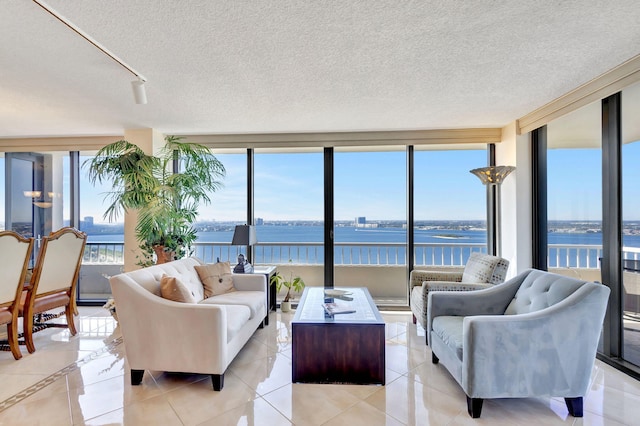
{"x": 449, "y": 205}
{"x": 104, "y": 252}
{"x": 228, "y": 207}
{"x": 289, "y": 211}
{"x": 631, "y": 224}
{"x": 35, "y": 196}
{"x": 370, "y": 210}
{"x": 592, "y": 155}
{"x": 574, "y": 193}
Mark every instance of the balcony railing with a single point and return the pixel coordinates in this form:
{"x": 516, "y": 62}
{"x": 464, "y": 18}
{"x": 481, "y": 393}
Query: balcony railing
{"x": 111, "y": 253}
{"x": 351, "y": 253}
{"x": 345, "y": 253}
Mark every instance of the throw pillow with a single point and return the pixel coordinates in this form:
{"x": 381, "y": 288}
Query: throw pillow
{"x": 216, "y": 278}
{"x": 173, "y": 289}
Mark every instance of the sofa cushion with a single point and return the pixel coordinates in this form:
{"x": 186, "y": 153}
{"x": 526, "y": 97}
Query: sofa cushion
{"x": 237, "y": 317}
{"x": 173, "y": 289}
{"x": 539, "y": 290}
{"x": 254, "y": 300}
{"x": 449, "y": 329}
{"x": 216, "y": 278}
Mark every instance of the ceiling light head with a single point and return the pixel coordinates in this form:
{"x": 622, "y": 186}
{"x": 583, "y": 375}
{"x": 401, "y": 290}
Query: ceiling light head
{"x": 139, "y": 92}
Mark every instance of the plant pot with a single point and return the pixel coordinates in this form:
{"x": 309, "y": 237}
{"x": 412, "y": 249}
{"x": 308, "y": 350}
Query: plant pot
{"x": 285, "y": 306}
{"x": 162, "y": 256}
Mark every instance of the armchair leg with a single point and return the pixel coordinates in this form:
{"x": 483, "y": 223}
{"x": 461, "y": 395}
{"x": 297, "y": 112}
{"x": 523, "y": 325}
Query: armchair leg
{"x": 474, "y": 407}
{"x": 136, "y": 377}
{"x": 414, "y": 319}
{"x": 218, "y": 381}
{"x": 434, "y": 358}
{"x": 574, "y": 405}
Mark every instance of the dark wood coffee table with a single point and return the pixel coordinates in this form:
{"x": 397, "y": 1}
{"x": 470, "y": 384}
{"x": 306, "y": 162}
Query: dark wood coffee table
{"x": 343, "y": 348}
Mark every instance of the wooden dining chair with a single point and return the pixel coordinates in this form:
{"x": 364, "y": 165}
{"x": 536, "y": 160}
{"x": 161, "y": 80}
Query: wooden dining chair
{"x": 53, "y": 283}
{"x": 15, "y": 251}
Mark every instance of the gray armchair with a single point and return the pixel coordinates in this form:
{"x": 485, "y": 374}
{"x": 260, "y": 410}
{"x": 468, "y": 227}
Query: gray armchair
{"x": 481, "y": 271}
{"x": 535, "y": 335}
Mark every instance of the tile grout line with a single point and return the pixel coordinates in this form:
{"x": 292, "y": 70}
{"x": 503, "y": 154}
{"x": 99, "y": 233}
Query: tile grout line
{"x": 11, "y": 401}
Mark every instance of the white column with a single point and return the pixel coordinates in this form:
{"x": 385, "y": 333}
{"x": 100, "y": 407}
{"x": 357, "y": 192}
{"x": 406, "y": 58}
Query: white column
{"x": 515, "y": 150}
{"x": 150, "y": 141}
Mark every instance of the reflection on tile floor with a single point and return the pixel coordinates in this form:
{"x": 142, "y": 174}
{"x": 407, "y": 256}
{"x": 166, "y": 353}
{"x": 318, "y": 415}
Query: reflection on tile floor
{"x": 84, "y": 380}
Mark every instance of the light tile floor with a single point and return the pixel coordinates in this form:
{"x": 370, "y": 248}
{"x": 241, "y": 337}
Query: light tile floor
{"x": 84, "y": 380}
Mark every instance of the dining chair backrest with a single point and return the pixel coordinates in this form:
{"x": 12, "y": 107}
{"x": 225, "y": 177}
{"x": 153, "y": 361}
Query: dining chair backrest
{"x": 15, "y": 252}
{"x": 59, "y": 261}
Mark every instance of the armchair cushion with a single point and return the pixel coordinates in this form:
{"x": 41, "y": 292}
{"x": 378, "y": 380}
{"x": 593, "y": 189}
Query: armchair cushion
{"x": 541, "y": 291}
{"x": 449, "y": 329}
{"x": 173, "y": 289}
{"x": 482, "y": 268}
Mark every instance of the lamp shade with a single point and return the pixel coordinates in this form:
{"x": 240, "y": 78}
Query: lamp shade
{"x": 244, "y": 235}
{"x": 493, "y": 175}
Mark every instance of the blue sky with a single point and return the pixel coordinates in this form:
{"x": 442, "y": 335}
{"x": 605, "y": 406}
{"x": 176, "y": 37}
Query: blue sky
{"x": 372, "y": 184}
{"x": 574, "y": 186}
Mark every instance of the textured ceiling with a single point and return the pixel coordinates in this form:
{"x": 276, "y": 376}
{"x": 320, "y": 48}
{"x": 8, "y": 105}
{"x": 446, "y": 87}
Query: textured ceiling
{"x": 220, "y": 66}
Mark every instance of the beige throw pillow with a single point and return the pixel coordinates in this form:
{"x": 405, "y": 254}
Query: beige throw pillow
{"x": 171, "y": 288}
{"x": 216, "y": 278}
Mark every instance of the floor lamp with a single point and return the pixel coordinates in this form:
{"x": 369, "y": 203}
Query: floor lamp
{"x": 492, "y": 177}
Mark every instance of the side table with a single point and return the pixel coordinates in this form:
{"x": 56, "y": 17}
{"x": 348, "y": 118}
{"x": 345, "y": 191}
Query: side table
{"x": 268, "y": 271}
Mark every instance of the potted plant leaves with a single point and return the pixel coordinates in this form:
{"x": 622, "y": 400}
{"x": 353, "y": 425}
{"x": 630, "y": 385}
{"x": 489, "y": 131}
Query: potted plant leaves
{"x": 166, "y": 199}
{"x": 295, "y": 283}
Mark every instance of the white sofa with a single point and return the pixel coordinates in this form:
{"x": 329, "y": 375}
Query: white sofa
{"x": 203, "y": 337}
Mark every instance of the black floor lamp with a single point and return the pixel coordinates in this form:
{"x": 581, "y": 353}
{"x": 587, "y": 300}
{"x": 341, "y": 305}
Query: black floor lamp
{"x": 492, "y": 177}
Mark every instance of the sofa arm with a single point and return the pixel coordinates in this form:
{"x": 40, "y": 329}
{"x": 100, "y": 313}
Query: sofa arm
{"x": 164, "y": 335}
{"x": 418, "y": 276}
{"x": 547, "y": 352}
{"x": 250, "y": 282}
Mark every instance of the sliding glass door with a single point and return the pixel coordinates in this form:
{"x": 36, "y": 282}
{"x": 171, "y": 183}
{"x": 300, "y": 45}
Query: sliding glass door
{"x": 370, "y": 210}
{"x": 574, "y": 193}
{"x": 631, "y": 225}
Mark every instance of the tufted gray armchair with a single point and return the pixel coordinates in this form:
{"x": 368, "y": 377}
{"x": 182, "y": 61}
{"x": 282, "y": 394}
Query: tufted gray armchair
{"x": 535, "y": 335}
{"x": 481, "y": 271}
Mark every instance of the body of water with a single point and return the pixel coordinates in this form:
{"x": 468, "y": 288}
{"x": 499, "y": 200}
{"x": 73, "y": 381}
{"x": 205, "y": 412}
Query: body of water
{"x": 446, "y": 247}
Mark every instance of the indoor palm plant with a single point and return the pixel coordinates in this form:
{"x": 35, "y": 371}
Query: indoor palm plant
{"x": 166, "y": 200}
{"x": 295, "y": 283}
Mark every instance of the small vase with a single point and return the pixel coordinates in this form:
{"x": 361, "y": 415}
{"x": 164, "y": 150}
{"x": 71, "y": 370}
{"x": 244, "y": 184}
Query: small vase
{"x": 285, "y": 306}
